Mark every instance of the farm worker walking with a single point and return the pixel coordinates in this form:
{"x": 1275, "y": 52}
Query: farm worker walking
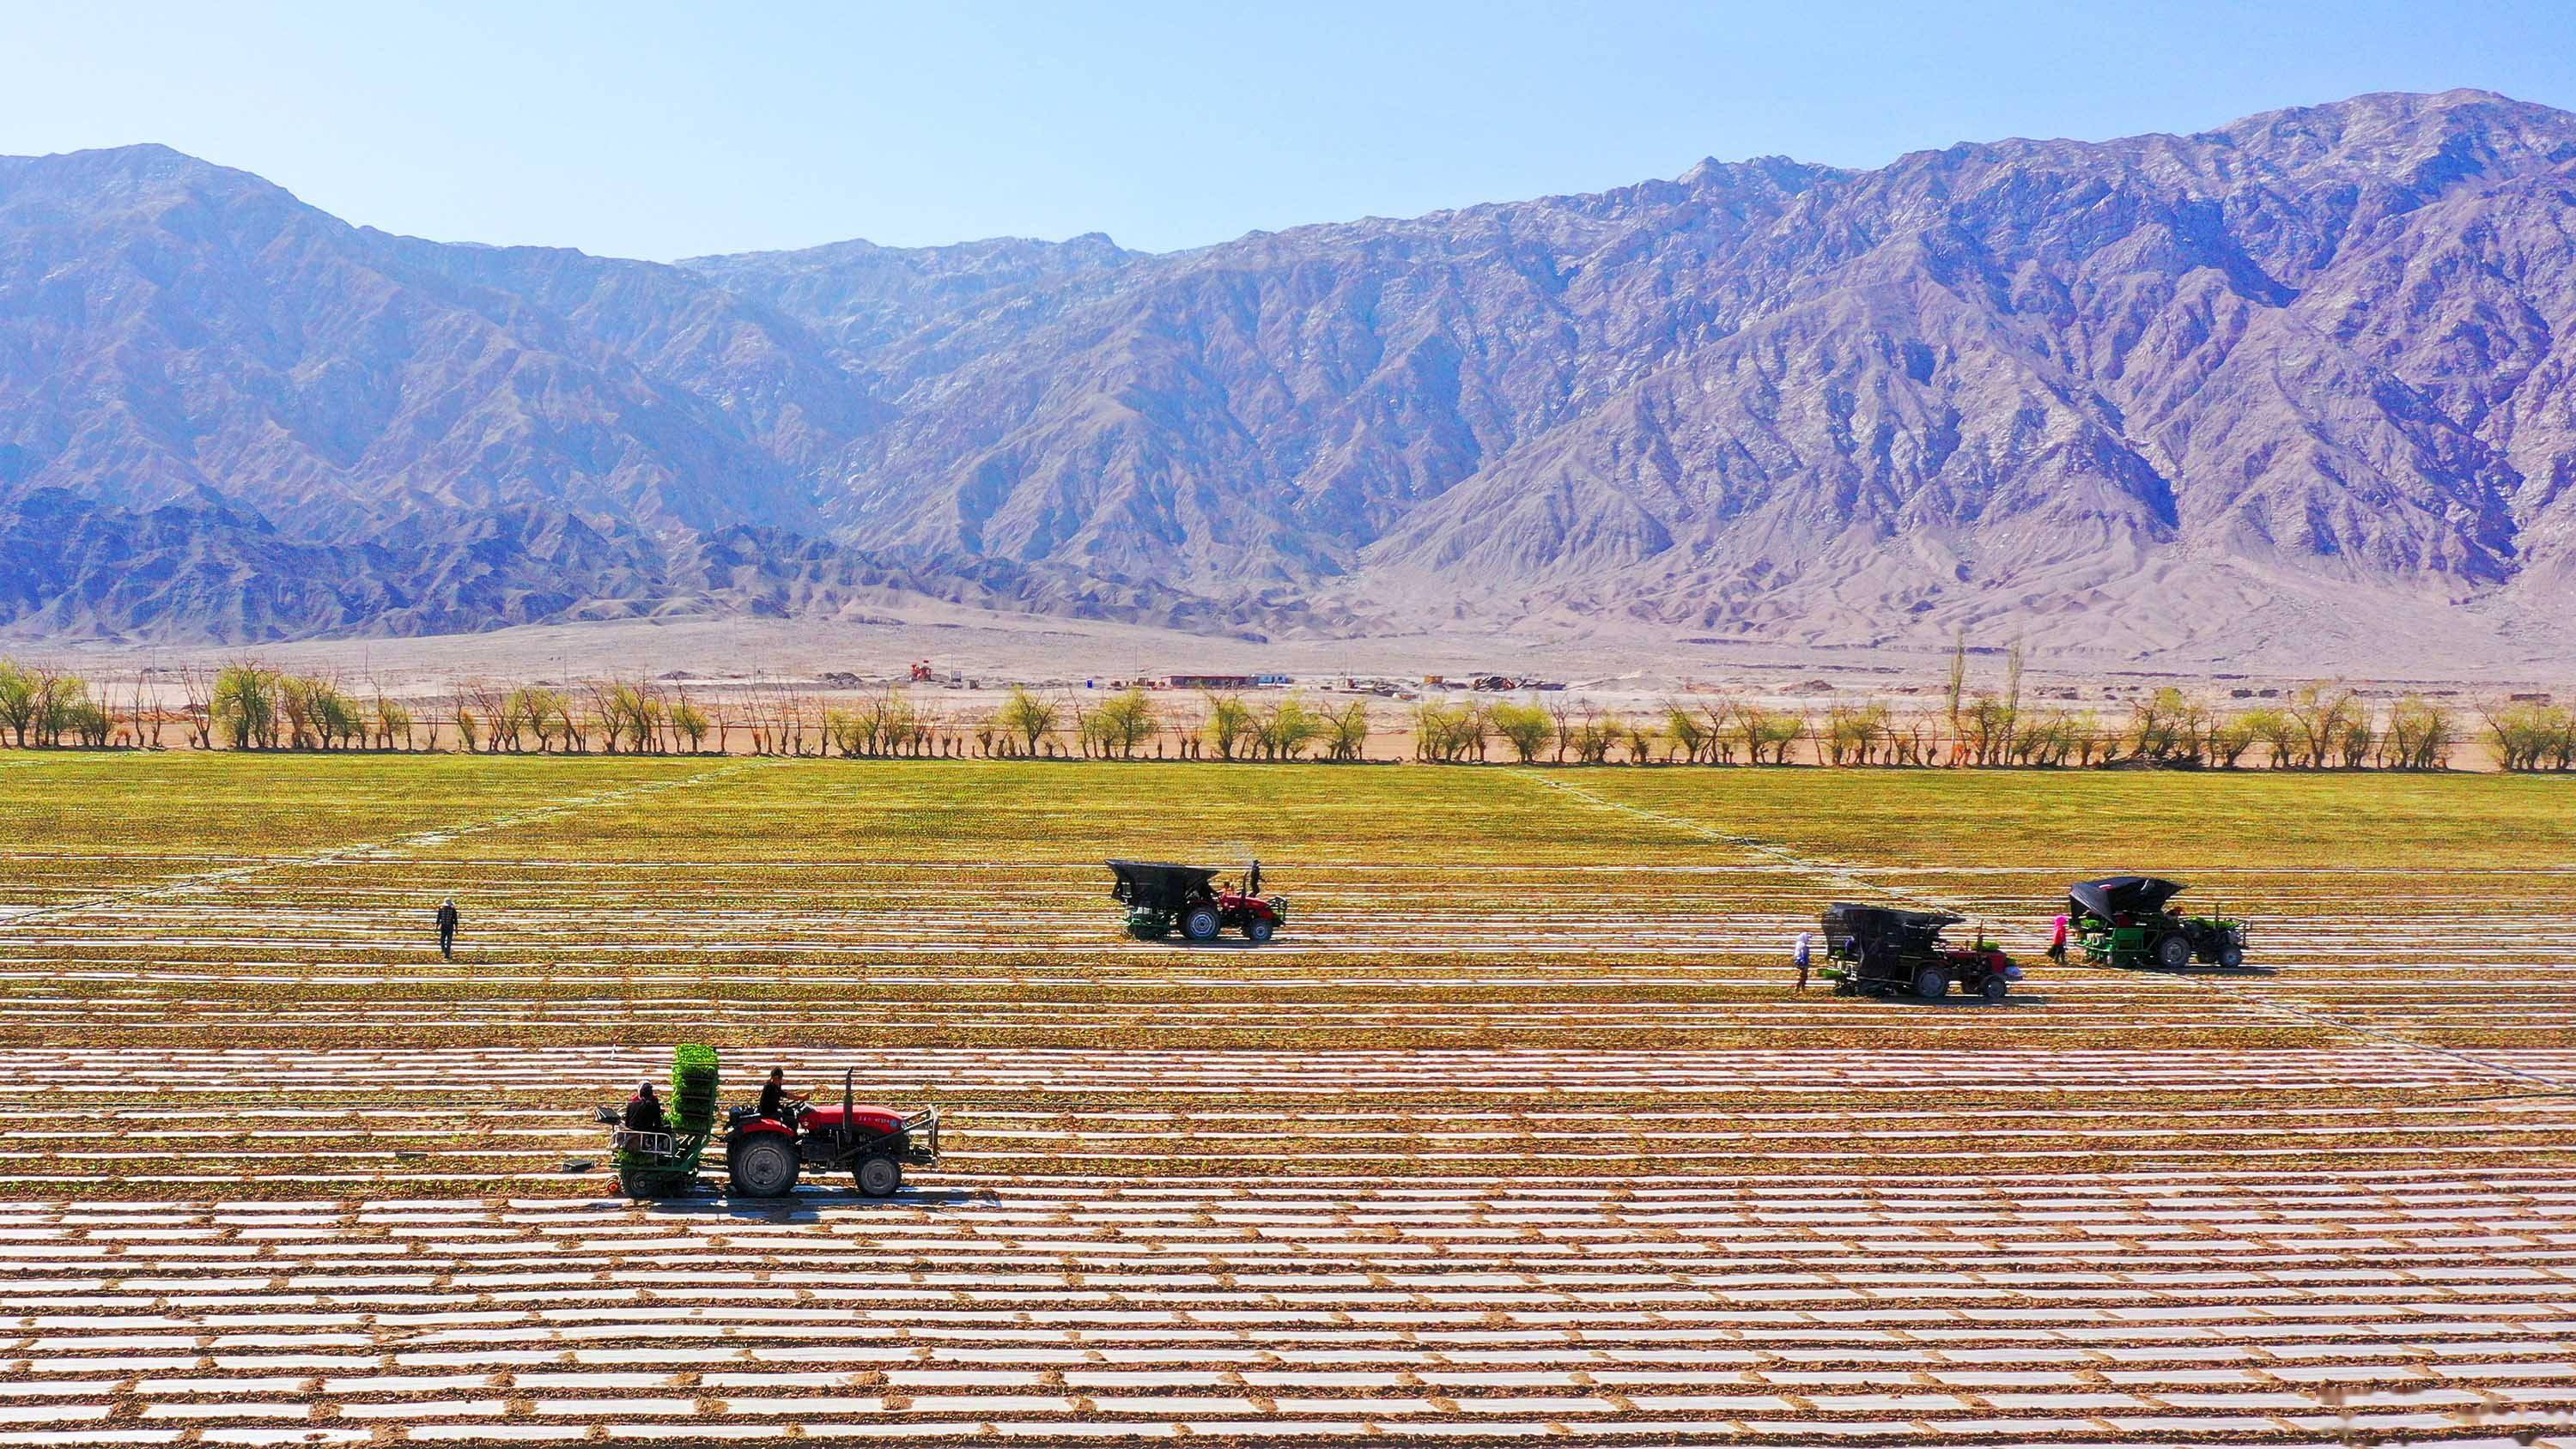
{"x": 1804, "y": 937}
{"x": 774, "y": 1096}
{"x": 644, "y": 1111}
{"x": 2057, "y": 943}
{"x": 447, "y": 928}
{"x": 1252, "y": 882}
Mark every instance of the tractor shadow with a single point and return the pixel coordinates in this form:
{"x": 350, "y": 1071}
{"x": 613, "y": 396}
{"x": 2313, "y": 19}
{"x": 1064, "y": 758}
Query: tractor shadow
{"x": 2018, "y": 1001}
{"x": 806, "y": 1204}
{"x": 2223, "y": 973}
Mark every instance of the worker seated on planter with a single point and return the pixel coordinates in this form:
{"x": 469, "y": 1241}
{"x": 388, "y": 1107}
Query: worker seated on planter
{"x": 644, "y": 1111}
{"x": 779, "y": 1104}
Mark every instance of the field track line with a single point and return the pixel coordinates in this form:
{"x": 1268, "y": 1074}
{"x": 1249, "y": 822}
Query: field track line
{"x": 1836, "y": 873}
{"x": 1842, "y": 875}
{"x": 333, "y": 855}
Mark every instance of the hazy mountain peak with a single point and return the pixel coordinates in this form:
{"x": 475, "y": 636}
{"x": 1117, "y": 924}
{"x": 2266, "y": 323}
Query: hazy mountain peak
{"x": 2157, "y": 381}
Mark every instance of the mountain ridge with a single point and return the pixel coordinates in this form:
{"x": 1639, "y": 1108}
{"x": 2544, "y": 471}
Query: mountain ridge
{"x": 2024, "y": 380}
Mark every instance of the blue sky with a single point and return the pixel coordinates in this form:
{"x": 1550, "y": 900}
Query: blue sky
{"x": 664, "y": 130}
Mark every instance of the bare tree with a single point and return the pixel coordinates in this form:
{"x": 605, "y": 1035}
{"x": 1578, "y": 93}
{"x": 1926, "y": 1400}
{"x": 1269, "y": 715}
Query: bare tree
{"x": 197, "y": 687}
{"x": 2323, "y": 714}
{"x": 1954, "y": 688}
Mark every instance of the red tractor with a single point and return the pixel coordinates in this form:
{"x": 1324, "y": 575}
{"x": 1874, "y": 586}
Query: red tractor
{"x": 1160, "y": 896}
{"x": 766, "y": 1154}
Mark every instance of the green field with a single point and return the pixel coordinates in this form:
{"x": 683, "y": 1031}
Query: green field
{"x": 182, "y": 905}
{"x": 1521, "y": 1105}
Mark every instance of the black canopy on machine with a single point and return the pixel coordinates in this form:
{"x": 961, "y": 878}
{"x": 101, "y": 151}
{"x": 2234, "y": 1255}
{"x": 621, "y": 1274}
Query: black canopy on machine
{"x": 2135, "y": 895}
{"x": 1159, "y": 886}
{"x": 1884, "y": 927}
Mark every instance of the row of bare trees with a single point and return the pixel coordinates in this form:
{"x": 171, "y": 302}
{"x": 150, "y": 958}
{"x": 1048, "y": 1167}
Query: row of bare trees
{"x": 249, "y": 705}
{"x": 42, "y": 707}
{"x": 2317, "y": 726}
{"x": 630, "y": 716}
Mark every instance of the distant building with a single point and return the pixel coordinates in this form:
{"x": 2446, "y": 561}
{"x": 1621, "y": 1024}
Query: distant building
{"x": 1208, "y": 681}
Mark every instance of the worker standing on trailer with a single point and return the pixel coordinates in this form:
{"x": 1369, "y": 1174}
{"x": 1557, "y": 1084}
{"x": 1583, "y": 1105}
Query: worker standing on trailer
{"x": 1804, "y": 937}
{"x": 447, "y": 928}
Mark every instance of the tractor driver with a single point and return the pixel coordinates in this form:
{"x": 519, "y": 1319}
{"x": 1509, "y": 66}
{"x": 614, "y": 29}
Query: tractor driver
{"x": 775, "y": 1099}
{"x": 644, "y": 1111}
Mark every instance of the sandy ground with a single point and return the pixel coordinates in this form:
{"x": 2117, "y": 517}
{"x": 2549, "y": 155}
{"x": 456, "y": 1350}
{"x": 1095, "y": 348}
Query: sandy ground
{"x": 1607, "y": 664}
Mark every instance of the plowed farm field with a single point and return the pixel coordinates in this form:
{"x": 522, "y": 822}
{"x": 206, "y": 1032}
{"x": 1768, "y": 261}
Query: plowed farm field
{"x": 1518, "y": 1131}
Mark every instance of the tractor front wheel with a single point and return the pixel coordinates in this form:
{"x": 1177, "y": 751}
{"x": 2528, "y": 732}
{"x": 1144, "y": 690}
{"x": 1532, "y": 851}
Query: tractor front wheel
{"x": 764, "y": 1166}
{"x": 1200, "y": 923}
{"x": 879, "y": 1176}
{"x": 2231, "y": 955}
{"x": 2174, "y": 952}
{"x": 1994, "y": 988}
{"x": 1258, "y": 930}
{"x": 1931, "y": 983}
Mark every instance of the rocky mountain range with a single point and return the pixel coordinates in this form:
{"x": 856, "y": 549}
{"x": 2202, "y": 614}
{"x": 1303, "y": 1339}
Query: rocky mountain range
{"x": 2313, "y": 367}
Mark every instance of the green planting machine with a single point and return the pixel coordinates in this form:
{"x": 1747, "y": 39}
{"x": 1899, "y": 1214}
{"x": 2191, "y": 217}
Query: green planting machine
{"x": 2129, "y": 920}
{"x": 665, "y": 1164}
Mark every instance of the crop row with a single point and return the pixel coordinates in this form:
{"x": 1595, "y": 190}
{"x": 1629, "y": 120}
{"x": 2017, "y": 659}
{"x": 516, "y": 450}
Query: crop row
{"x": 475, "y": 1120}
{"x": 2039, "y": 1308}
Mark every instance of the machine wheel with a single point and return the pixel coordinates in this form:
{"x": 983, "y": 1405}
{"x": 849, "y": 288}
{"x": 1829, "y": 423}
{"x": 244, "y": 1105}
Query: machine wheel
{"x": 2231, "y": 955}
{"x": 879, "y": 1176}
{"x": 1200, "y": 923}
{"x": 1994, "y": 988}
{"x": 764, "y": 1166}
{"x": 2174, "y": 952}
{"x": 1259, "y": 931}
{"x": 1931, "y": 983}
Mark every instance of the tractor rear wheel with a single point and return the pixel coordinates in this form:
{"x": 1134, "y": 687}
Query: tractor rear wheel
{"x": 764, "y": 1166}
{"x": 1258, "y": 931}
{"x": 1200, "y": 923}
{"x": 2174, "y": 952}
{"x": 1931, "y": 983}
{"x": 878, "y": 1176}
{"x": 1994, "y": 988}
